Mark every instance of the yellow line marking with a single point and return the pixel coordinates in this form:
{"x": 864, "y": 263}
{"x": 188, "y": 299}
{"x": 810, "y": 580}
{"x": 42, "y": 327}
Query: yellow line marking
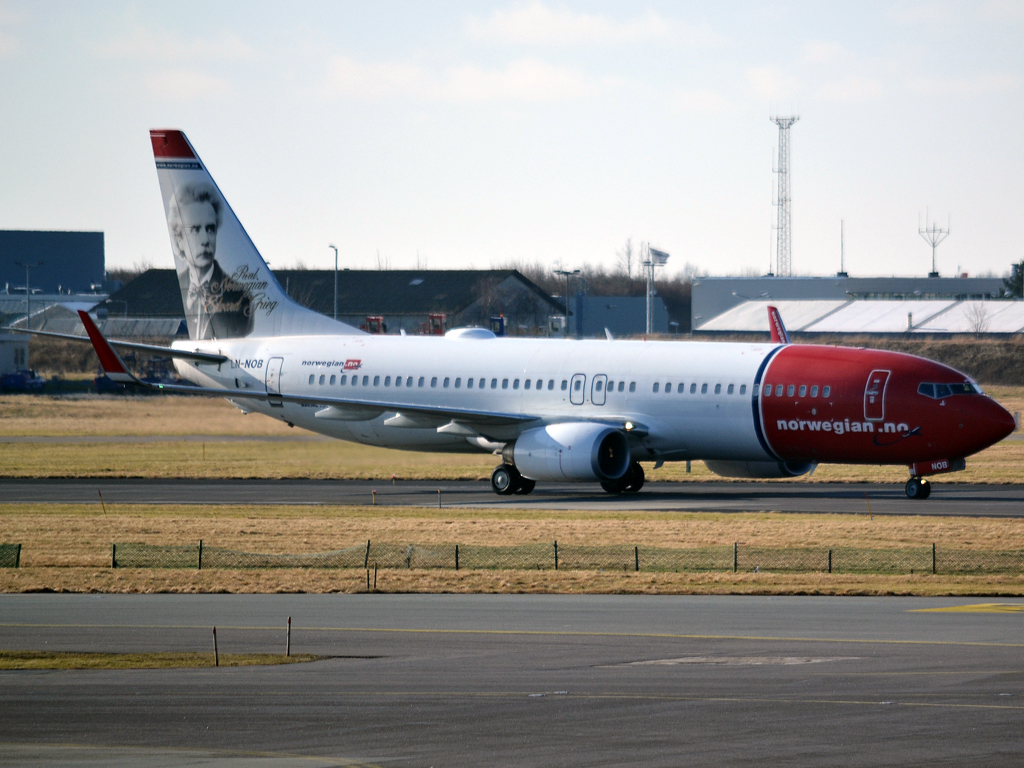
{"x": 530, "y": 633}
{"x": 975, "y": 608}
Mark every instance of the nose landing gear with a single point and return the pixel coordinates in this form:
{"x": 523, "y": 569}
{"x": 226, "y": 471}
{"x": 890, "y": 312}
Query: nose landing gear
{"x": 918, "y": 488}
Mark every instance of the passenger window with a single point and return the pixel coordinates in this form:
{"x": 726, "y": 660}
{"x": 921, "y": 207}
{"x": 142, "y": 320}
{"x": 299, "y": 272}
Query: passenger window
{"x": 565, "y": 385}
{"x": 814, "y": 391}
{"x": 387, "y": 381}
{"x": 321, "y": 379}
{"x": 408, "y": 382}
{"x": 344, "y": 380}
{"x": 333, "y": 379}
{"x": 445, "y": 383}
{"x": 825, "y": 391}
{"x": 433, "y": 381}
{"x": 767, "y": 390}
{"x": 469, "y": 383}
{"x": 398, "y": 381}
{"x": 703, "y": 389}
{"x": 621, "y": 385}
{"x": 458, "y": 382}
{"x": 504, "y": 383}
{"x": 420, "y": 382}
{"x": 527, "y": 383}
{"x": 655, "y": 386}
{"x": 540, "y": 384}
{"x": 803, "y": 390}
{"x": 598, "y": 385}
{"x": 494, "y": 383}
{"x": 778, "y": 391}
{"x": 632, "y": 386}
{"x": 311, "y": 378}
{"x": 515, "y": 384}
{"x": 551, "y": 383}
{"x": 693, "y": 388}
{"x": 729, "y": 391}
{"x": 366, "y": 381}
{"x": 718, "y": 389}
{"x": 743, "y": 389}
{"x": 668, "y": 387}
{"x": 376, "y": 381}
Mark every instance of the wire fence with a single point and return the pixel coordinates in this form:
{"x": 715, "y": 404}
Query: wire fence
{"x": 552, "y": 556}
{"x": 10, "y": 555}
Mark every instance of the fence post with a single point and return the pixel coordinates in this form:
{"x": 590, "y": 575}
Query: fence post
{"x": 830, "y": 561}
{"x": 366, "y": 560}
{"x": 17, "y": 557}
{"x": 288, "y": 639}
{"x": 735, "y": 557}
{"x": 216, "y": 655}
{"x": 933, "y": 558}
{"x": 556, "y": 555}
{"x": 113, "y": 555}
{"x": 200, "y": 554}
{"x": 456, "y": 557}
{"x": 636, "y": 557}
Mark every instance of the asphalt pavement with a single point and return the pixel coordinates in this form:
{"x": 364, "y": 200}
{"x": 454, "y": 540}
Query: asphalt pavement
{"x": 845, "y": 498}
{"x": 470, "y": 680}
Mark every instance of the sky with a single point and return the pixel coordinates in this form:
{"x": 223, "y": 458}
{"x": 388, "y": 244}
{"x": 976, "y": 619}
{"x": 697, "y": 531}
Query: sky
{"x": 477, "y": 134}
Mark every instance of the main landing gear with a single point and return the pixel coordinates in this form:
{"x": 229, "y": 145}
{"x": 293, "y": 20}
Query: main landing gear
{"x": 918, "y": 488}
{"x": 506, "y": 480}
{"x": 631, "y": 482}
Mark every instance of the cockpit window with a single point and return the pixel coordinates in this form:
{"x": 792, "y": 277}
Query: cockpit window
{"x": 939, "y": 391}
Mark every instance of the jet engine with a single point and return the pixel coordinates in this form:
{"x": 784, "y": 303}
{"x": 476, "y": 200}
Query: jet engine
{"x": 760, "y": 469}
{"x": 574, "y": 451}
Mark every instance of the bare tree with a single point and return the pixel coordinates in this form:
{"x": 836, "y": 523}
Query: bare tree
{"x": 383, "y": 262}
{"x": 976, "y": 314}
{"x": 626, "y": 258}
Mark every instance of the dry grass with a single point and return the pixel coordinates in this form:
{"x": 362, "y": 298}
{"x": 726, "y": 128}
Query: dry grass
{"x": 67, "y": 548}
{"x": 92, "y": 416}
{"x": 58, "y": 660}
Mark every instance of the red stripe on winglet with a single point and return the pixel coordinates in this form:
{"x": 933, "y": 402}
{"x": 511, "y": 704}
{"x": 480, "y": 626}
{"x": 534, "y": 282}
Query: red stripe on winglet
{"x": 779, "y": 334}
{"x": 108, "y": 357}
{"x": 170, "y": 143}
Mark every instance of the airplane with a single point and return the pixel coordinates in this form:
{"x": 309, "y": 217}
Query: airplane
{"x": 552, "y": 409}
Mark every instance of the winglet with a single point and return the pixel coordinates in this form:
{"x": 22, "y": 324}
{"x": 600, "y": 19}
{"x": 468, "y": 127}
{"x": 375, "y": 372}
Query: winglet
{"x": 778, "y": 329}
{"x": 112, "y": 364}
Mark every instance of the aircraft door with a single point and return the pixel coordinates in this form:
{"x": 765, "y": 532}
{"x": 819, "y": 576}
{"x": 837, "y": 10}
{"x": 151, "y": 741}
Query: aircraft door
{"x": 274, "y": 380}
{"x": 578, "y": 389}
{"x": 874, "y": 395}
{"x": 597, "y": 388}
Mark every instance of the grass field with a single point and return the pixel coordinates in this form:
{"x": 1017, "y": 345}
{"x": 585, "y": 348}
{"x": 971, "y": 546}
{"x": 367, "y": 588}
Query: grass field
{"x": 294, "y": 455}
{"x": 67, "y": 548}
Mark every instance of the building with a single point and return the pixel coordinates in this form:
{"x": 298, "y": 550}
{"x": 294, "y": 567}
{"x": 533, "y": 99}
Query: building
{"x": 13, "y": 352}
{"x": 621, "y": 315}
{"x": 380, "y": 301}
{"x": 712, "y": 296}
{"x": 68, "y": 262}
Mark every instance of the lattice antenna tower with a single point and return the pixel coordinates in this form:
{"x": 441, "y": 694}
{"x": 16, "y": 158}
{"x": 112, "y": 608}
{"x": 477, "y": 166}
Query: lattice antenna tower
{"x": 933, "y": 235}
{"x": 783, "y": 260}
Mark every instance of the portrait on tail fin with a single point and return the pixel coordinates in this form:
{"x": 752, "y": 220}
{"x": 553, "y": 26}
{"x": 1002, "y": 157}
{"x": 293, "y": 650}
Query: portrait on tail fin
{"x": 216, "y": 307}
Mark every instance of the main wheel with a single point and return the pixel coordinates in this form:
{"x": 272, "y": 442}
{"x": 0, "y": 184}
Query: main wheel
{"x": 635, "y": 475}
{"x": 615, "y": 487}
{"x": 918, "y": 488}
{"x": 505, "y": 479}
{"x": 525, "y": 486}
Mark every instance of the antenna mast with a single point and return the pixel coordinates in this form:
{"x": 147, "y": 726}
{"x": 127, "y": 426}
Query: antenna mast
{"x": 783, "y": 261}
{"x": 932, "y": 235}
{"x": 842, "y": 251}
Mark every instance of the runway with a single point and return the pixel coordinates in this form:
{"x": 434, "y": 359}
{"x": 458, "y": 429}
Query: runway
{"x": 421, "y": 680}
{"x": 881, "y": 499}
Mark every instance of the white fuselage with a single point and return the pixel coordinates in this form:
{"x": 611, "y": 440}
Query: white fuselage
{"x": 694, "y": 400}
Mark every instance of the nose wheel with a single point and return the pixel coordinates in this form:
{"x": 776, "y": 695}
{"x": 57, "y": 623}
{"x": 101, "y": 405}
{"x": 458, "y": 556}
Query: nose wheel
{"x": 918, "y": 488}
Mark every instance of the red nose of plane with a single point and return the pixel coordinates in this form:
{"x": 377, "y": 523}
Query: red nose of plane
{"x": 987, "y": 422}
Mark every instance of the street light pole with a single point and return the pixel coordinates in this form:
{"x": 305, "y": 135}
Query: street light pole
{"x": 28, "y": 293}
{"x": 335, "y": 281}
{"x": 567, "y": 274}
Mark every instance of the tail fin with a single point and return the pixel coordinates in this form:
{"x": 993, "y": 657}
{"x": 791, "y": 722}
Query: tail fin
{"x": 779, "y": 333}
{"x": 227, "y": 289}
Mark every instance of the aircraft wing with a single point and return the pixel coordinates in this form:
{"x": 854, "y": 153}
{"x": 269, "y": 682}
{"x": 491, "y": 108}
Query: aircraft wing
{"x": 202, "y": 357}
{"x": 340, "y": 408}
